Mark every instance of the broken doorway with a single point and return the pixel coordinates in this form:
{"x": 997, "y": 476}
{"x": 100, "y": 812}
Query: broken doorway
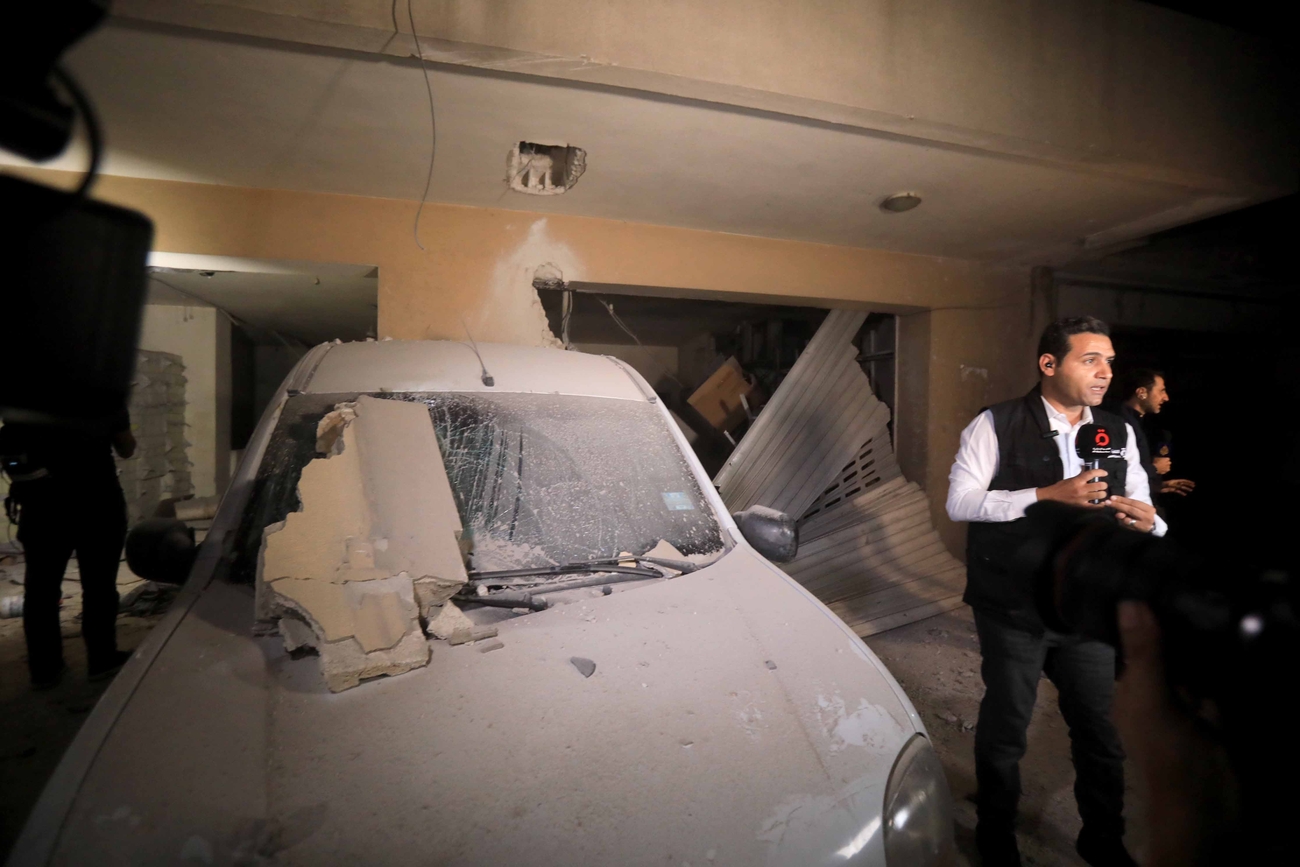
{"x": 713, "y": 362}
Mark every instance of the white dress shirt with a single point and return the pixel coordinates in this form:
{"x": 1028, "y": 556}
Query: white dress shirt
{"x": 969, "y": 498}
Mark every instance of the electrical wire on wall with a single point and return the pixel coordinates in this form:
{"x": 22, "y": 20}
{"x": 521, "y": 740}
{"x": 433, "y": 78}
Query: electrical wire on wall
{"x": 433, "y": 124}
{"x": 566, "y": 314}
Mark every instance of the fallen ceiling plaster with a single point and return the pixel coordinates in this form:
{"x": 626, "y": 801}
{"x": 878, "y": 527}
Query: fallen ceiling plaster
{"x": 374, "y": 547}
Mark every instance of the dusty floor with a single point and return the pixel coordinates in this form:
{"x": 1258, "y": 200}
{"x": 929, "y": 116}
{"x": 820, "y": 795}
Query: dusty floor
{"x": 937, "y": 663}
{"x": 936, "y": 660}
{"x": 36, "y": 727}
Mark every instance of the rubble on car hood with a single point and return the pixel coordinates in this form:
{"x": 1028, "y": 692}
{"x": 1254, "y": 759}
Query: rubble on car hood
{"x": 374, "y": 545}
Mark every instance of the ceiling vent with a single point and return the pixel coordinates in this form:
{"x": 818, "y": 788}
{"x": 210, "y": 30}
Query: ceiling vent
{"x": 544, "y": 170}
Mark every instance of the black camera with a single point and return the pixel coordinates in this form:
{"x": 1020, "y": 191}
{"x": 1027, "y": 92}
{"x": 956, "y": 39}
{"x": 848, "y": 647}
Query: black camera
{"x": 1230, "y": 636}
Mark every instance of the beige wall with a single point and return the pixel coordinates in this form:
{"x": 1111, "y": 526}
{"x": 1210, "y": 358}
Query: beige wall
{"x": 969, "y": 325}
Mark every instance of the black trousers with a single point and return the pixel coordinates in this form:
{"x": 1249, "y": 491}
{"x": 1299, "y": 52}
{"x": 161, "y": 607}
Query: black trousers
{"x": 1084, "y": 674}
{"x": 52, "y": 524}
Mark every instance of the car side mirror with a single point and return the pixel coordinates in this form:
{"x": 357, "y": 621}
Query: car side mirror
{"x": 161, "y": 549}
{"x": 773, "y": 534}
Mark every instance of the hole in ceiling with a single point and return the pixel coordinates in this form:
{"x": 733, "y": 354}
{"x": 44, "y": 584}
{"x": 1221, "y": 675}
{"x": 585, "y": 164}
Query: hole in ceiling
{"x": 544, "y": 170}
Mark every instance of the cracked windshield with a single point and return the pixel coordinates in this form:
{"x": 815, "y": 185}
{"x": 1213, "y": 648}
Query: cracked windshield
{"x": 548, "y": 479}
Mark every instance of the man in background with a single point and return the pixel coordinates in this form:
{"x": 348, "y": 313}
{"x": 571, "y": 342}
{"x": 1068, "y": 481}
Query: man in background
{"x": 65, "y": 497}
{"x": 1142, "y": 393}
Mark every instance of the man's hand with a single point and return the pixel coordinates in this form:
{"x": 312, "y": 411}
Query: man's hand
{"x": 1134, "y": 514}
{"x": 1078, "y": 490}
{"x": 1163, "y": 465}
{"x": 1191, "y": 790}
{"x": 1181, "y": 487}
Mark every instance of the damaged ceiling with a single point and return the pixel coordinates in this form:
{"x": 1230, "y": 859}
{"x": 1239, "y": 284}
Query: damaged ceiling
{"x": 264, "y": 114}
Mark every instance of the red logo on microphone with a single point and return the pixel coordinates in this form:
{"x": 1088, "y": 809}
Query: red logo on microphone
{"x": 1102, "y": 438}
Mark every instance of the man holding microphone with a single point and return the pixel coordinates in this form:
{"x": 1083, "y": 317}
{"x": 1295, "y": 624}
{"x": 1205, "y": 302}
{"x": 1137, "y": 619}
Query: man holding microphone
{"x": 1012, "y": 455}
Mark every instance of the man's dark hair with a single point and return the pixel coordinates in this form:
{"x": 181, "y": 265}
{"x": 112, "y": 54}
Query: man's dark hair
{"x": 1056, "y": 337}
{"x": 1142, "y": 377}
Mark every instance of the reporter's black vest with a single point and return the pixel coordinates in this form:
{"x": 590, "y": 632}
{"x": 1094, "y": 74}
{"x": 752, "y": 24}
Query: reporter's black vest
{"x": 1028, "y": 457}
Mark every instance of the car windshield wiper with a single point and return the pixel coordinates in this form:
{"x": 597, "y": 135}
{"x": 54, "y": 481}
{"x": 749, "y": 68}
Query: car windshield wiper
{"x": 506, "y": 577}
{"x": 607, "y": 570}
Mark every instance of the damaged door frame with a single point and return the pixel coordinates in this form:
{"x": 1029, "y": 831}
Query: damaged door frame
{"x": 911, "y": 348}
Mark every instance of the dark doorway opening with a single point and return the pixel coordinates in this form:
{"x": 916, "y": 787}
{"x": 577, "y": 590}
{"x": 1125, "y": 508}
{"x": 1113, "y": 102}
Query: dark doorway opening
{"x": 1226, "y": 391}
{"x": 681, "y": 344}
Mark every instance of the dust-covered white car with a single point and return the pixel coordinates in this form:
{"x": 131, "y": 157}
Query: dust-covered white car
{"x": 730, "y": 718}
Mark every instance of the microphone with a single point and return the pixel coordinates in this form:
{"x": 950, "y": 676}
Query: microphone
{"x": 1093, "y": 445}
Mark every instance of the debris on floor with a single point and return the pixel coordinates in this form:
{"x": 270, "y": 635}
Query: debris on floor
{"x": 148, "y": 600}
{"x": 585, "y": 666}
{"x": 820, "y": 451}
{"x": 444, "y": 620}
{"x": 374, "y": 547}
{"x": 468, "y": 635}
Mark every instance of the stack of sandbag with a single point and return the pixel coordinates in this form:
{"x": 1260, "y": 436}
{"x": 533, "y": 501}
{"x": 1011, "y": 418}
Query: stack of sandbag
{"x": 160, "y": 468}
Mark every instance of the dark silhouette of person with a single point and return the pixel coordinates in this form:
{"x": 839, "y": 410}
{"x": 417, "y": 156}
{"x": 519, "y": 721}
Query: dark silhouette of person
{"x": 65, "y": 496}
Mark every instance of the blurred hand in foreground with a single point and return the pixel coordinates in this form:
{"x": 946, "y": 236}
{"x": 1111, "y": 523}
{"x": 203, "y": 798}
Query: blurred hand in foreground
{"x": 1191, "y": 790}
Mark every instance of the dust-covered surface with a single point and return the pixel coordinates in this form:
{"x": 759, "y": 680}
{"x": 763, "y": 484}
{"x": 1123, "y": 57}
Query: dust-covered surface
{"x": 727, "y": 713}
{"x": 937, "y": 662}
{"x": 36, "y": 727}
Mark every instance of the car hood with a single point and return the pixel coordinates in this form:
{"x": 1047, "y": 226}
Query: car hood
{"x": 731, "y": 719}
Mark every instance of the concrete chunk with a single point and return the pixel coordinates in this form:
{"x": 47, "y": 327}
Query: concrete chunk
{"x": 474, "y": 633}
{"x": 446, "y": 620}
{"x": 375, "y": 545}
{"x": 297, "y": 634}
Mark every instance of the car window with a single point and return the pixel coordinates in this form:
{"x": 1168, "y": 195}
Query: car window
{"x": 538, "y": 479}
{"x": 543, "y": 478}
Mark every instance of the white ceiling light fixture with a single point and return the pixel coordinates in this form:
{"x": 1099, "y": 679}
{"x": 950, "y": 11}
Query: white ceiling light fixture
{"x": 900, "y": 202}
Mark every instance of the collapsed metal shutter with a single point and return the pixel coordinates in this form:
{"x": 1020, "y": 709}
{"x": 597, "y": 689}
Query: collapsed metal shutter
{"x": 820, "y": 450}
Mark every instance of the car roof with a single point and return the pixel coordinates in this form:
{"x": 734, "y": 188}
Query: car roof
{"x": 447, "y": 365}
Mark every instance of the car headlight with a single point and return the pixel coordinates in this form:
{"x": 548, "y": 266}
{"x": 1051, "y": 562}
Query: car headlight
{"x": 918, "y": 808}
